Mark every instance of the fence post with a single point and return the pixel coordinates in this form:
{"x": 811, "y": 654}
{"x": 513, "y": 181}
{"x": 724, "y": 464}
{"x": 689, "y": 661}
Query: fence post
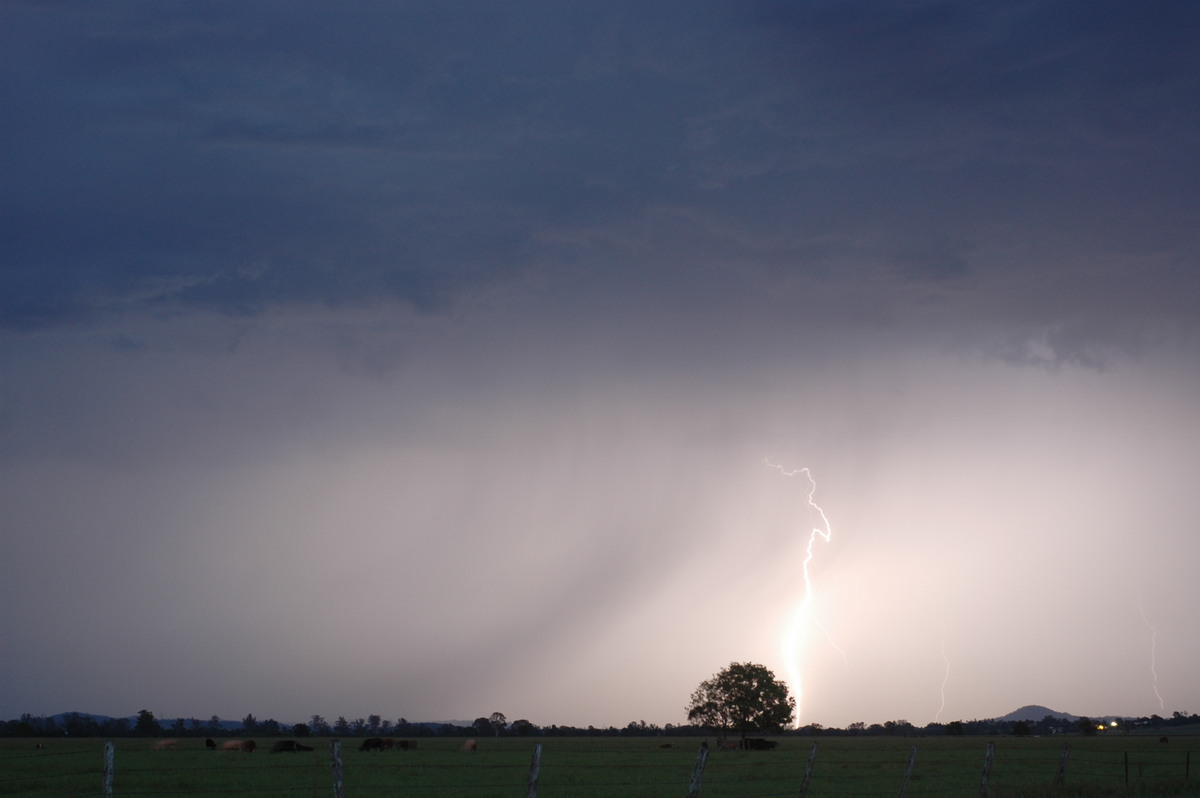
{"x": 912, "y": 760}
{"x": 107, "y": 782}
{"x": 535, "y": 767}
{"x": 987, "y": 769}
{"x": 1187, "y": 767}
{"x": 1061, "y": 776}
{"x": 335, "y": 752}
{"x": 698, "y": 771}
{"x": 812, "y": 755}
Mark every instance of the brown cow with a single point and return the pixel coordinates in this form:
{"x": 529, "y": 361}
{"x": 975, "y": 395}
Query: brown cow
{"x": 165, "y": 745}
{"x": 239, "y": 745}
{"x": 469, "y": 745}
{"x": 406, "y": 745}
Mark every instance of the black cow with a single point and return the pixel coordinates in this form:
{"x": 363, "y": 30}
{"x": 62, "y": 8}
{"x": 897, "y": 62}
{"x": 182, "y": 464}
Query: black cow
{"x": 758, "y": 744}
{"x": 210, "y": 745}
{"x": 282, "y": 746}
{"x": 372, "y": 744}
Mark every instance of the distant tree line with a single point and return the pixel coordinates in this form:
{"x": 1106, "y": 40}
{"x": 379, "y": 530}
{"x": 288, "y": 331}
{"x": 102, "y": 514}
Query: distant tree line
{"x": 145, "y": 724}
{"x": 1051, "y": 724}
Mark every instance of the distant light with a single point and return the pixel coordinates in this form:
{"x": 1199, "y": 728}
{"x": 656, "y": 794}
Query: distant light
{"x": 1099, "y": 727}
{"x": 1113, "y": 724}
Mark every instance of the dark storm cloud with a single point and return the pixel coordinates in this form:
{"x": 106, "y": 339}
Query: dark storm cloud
{"x": 239, "y": 157}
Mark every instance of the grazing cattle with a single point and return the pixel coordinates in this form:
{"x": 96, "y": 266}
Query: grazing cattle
{"x": 469, "y": 745}
{"x": 209, "y": 744}
{"x": 164, "y": 745}
{"x": 282, "y": 746}
{"x": 1162, "y": 739}
{"x": 388, "y": 744}
{"x": 302, "y": 747}
{"x": 665, "y": 745}
{"x": 371, "y": 744}
{"x": 239, "y": 745}
{"x": 406, "y": 745}
{"x": 758, "y": 744}
{"x": 728, "y": 745}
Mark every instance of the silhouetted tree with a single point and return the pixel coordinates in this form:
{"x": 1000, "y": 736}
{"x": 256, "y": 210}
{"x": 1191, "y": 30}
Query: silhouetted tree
{"x": 76, "y": 725}
{"x": 744, "y": 697}
{"x": 115, "y": 727}
{"x": 499, "y": 723}
{"x": 146, "y": 724}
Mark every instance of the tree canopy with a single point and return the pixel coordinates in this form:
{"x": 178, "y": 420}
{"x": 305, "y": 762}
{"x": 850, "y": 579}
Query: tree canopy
{"x": 744, "y": 697}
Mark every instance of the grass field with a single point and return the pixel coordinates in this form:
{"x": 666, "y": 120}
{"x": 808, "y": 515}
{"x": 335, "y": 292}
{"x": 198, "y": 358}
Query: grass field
{"x": 604, "y": 767}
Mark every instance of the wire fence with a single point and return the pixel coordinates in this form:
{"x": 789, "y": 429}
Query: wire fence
{"x": 554, "y": 768}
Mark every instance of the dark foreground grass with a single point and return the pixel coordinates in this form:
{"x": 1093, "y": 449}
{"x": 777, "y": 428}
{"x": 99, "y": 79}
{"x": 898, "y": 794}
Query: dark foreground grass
{"x": 602, "y": 767}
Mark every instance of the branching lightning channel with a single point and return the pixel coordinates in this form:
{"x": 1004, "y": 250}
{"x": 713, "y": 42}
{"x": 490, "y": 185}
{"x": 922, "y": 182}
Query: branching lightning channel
{"x": 1153, "y": 657}
{"x": 794, "y": 637}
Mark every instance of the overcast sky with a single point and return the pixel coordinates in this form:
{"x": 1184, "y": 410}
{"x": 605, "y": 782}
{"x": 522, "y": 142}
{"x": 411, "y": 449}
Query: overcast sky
{"x": 426, "y": 359}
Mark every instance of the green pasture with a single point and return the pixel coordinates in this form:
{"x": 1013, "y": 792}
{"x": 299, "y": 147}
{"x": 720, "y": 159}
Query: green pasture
{"x": 600, "y": 767}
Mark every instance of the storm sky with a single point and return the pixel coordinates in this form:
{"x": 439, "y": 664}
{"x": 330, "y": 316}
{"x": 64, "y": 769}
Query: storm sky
{"x": 427, "y": 359}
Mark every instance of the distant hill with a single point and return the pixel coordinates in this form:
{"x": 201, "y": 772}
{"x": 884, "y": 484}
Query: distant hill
{"x": 1036, "y": 712}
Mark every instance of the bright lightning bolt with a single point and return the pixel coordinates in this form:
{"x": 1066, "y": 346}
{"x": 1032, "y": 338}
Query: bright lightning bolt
{"x": 794, "y": 638}
{"x": 1153, "y": 656}
{"x": 945, "y": 676}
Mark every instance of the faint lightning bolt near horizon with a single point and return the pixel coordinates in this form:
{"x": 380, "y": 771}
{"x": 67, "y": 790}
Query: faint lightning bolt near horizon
{"x": 1153, "y": 656}
{"x": 945, "y": 676}
{"x": 794, "y": 637}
